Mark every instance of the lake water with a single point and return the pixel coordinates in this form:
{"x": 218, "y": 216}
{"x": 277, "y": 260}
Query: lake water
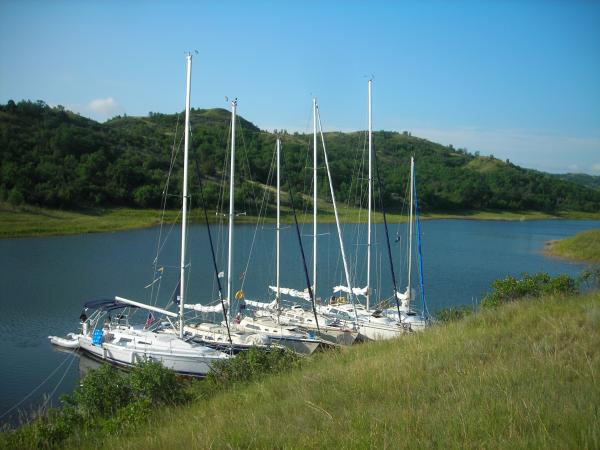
{"x": 44, "y": 281}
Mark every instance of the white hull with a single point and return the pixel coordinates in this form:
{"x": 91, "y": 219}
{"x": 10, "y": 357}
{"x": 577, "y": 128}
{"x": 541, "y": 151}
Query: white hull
{"x": 286, "y": 336}
{"x": 129, "y": 347}
{"x": 297, "y": 317}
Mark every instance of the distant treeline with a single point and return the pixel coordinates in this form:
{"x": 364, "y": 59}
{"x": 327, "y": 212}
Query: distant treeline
{"x": 54, "y": 158}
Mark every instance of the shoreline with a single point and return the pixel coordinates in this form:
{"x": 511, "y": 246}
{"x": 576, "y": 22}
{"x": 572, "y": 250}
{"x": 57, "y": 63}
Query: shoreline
{"x": 29, "y": 221}
{"x": 583, "y": 247}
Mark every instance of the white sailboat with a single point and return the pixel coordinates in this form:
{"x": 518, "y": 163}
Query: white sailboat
{"x": 371, "y": 325}
{"x": 121, "y": 343}
{"x": 329, "y": 330}
{"x": 349, "y": 317}
{"x": 417, "y": 321}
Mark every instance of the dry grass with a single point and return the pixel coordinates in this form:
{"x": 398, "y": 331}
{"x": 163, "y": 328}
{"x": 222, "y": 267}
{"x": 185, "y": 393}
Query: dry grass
{"x": 526, "y": 375}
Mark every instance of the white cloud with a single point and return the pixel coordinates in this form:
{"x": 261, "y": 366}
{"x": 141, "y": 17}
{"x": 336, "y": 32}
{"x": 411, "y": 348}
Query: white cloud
{"x": 103, "y": 108}
{"x": 596, "y": 168}
{"x": 99, "y": 109}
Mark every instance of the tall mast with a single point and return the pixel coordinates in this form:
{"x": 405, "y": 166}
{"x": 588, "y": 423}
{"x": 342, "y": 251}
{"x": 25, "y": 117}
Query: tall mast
{"x": 314, "y": 280}
{"x": 231, "y": 210}
{"x": 278, "y": 217}
{"x": 410, "y": 226}
{"x": 337, "y": 223}
{"x": 188, "y": 86}
{"x": 370, "y": 202}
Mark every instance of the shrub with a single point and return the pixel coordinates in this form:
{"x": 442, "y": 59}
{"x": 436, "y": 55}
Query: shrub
{"x": 250, "y": 364}
{"x": 530, "y": 286}
{"x": 589, "y": 278}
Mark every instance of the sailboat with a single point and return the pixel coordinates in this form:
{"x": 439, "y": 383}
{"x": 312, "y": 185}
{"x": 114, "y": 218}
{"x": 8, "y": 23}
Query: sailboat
{"x": 341, "y": 315}
{"x": 370, "y": 324}
{"x": 404, "y": 313}
{"x": 220, "y": 335}
{"x": 329, "y": 330}
{"x": 111, "y": 338}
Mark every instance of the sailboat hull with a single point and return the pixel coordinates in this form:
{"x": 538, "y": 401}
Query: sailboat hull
{"x": 127, "y": 351}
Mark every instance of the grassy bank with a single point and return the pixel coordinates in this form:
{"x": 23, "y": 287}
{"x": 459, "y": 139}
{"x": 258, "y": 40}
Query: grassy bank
{"x": 584, "y": 246}
{"x": 525, "y": 375}
{"x": 33, "y": 221}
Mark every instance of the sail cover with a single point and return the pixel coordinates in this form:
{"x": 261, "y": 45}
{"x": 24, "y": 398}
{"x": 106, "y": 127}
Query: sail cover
{"x": 355, "y": 291}
{"x": 292, "y": 292}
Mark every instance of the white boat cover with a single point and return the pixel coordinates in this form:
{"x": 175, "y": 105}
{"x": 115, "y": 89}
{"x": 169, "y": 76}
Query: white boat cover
{"x": 292, "y": 292}
{"x": 355, "y": 291}
{"x": 261, "y": 305}
{"x": 207, "y": 309}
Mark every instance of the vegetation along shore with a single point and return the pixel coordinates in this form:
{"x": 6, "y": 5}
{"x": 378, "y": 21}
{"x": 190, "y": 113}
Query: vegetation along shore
{"x": 29, "y": 221}
{"x": 62, "y": 173}
{"x": 520, "y": 372}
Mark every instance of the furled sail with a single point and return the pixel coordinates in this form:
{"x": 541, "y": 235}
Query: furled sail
{"x": 403, "y": 295}
{"x": 206, "y": 309}
{"x": 355, "y": 291}
{"x": 292, "y": 292}
{"x": 261, "y": 305}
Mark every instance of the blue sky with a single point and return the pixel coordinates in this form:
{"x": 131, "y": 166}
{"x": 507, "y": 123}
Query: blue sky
{"x": 516, "y": 79}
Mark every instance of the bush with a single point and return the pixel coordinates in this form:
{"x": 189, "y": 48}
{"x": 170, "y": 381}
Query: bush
{"x": 107, "y": 399}
{"x": 101, "y": 393}
{"x": 247, "y": 366}
{"x": 110, "y": 401}
{"x": 589, "y": 278}
{"x": 530, "y": 286}
{"x": 152, "y": 382}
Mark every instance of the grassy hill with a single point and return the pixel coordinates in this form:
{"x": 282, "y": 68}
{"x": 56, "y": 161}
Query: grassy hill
{"x": 584, "y": 246}
{"x": 522, "y": 376}
{"x": 53, "y": 158}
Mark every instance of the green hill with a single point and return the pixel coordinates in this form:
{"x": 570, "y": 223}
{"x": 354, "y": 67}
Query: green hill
{"x": 56, "y": 159}
{"x": 524, "y": 375}
{"x": 583, "y": 179}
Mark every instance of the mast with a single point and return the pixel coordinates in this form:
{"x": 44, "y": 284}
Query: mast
{"x": 314, "y": 280}
{"x": 410, "y": 226}
{"x": 278, "y": 219}
{"x": 231, "y": 210}
{"x": 423, "y": 305}
{"x": 337, "y": 222}
{"x": 370, "y": 200}
{"x": 185, "y": 190}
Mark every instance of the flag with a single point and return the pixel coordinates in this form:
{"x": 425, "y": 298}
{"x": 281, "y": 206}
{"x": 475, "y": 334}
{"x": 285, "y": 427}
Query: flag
{"x": 149, "y": 320}
{"x": 176, "y": 298}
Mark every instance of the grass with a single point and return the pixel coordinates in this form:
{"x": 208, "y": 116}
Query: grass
{"x": 28, "y": 221}
{"x": 524, "y": 375}
{"x": 584, "y": 246}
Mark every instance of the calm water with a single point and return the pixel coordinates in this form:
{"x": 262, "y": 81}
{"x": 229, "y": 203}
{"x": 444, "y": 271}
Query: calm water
{"x": 44, "y": 281}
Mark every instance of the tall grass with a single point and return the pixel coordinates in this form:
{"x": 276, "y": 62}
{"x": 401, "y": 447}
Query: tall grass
{"x": 524, "y": 375}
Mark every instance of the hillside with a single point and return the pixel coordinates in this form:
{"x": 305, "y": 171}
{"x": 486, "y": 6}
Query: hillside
{"x": 583, "y": 179}
{"x": 56, "y": 159}
{"x": 521, "y": 376}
